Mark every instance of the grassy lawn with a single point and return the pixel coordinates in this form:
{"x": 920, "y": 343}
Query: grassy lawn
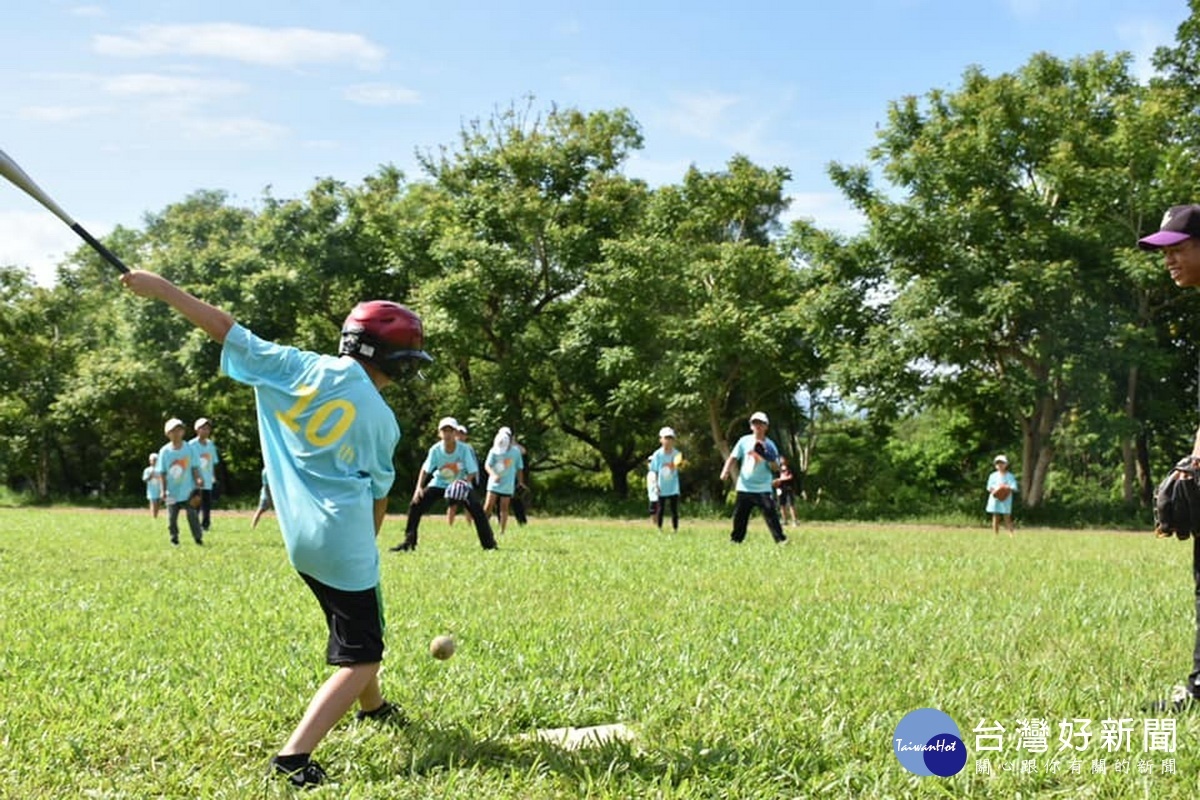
{"x": 129, "y": 669}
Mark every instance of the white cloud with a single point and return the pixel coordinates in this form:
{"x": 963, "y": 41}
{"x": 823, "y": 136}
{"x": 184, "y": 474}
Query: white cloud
{"x": 827, "y": 210}
{"x": 172, "y": 86}
{"x": 238, "y": 131}
{"x": 275, "y": 47}
{"x": 381, "y": 94}
{"x": 1141, "y": 38}
{"x": 89, "y": 11}
{"x": 700, "y": 114}
{"x": 38, "y": 241}
{"x": 56, "y": 113}
{"x": 656, "y": 172}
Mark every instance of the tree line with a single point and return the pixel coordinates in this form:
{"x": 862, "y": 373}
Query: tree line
{"x": 995, "y": 300}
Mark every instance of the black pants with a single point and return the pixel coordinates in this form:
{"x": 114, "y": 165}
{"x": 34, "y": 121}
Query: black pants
{"x": 1194, "y": 678}
{"x": 193, "y": 518}
{"x": 206, "y": 503}
{"x": 746, "y": 502}
{"x": 516, "y": 507}
{"x": 430, "y": 496}
{"x": 660, "y": 507}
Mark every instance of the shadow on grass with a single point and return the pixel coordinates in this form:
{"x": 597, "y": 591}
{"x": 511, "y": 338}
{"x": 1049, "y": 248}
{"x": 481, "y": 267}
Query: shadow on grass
{"x": 435, "y": 750}
{"x": 438, "y": 749}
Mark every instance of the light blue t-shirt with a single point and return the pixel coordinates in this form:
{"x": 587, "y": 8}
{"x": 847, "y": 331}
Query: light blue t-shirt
{"x": 327, "y": 439}
{"x": 666, "y": 466}
{"x": 506, "y": 465}
{"x": 208, "y": 460}
{"x": 1004, "y": 506}
{"x": 446, "y": 468}
{"x": 153, "y": 484}
{"x": 175, "y": 465}
{"x": 754, "y": 475}
{"x": 474, "y": 457}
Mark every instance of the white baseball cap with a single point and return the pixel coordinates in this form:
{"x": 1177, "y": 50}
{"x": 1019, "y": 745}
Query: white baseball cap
{"x": 200, "y": 423}
{"x": 759, "y": 416}
{"x": 668, "y": 431}
{"x": 447, "y": 422}
{"x": 1000, "y": 459}
{"x": 172, "y": 424}
{"x": 462, "y": 429}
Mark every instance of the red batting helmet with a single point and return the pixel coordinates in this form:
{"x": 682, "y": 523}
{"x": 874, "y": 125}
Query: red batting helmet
{"x": 387, "y": 335}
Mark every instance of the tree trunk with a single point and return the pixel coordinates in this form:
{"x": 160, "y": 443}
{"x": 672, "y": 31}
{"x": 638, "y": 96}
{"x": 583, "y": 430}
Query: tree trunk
{"x": 1128, "y": 443}
{"x": 1037, "y": 453}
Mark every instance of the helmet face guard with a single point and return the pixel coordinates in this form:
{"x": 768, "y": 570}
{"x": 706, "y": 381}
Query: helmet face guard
{"x": 386, "y": 335}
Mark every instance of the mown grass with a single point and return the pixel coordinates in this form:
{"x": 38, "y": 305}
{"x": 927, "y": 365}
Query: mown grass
{"x": 129, "y": 669}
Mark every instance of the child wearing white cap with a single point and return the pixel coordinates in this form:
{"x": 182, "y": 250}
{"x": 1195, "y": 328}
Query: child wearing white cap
{"x": 756, "y": 459}
{"x": 179, "y": 466}
{"x": 664, "y": 464}
{"x": 206, "y": 449}
{"x": 448, "y": 471}
{"x": 1001, "y": 487}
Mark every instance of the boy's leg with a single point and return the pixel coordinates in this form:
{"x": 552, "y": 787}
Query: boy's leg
{"x": 331, "y": 702}
{"x": 355, "y": 647}
{"x": 659, "y": 508}
{"x": 173, "y": 521}
{"x": 675, "y": 513}
{"x": 766, "y": 501}
{"x": 193, "y": 518}
{"x": 415, "y": 511}
{"x": 483, "y": 528}
{"x": 206, "y": 499}
{"x": 517, "y": 506}
{"x": 505, "y": 502}
{"x": 741, "y": 516}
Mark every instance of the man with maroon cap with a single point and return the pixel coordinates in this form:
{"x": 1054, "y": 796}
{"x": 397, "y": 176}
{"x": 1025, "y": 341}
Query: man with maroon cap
{"x": 1179, "y": 240}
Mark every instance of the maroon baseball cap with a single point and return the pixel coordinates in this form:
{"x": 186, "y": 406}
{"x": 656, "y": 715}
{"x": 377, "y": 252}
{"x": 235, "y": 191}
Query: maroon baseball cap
{"x": 1178, "y": 224}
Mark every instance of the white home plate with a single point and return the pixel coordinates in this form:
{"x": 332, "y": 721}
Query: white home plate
{"x": 575, "y": 738}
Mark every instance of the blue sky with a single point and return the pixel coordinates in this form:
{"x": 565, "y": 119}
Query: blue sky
{"x": 120, "y": 108}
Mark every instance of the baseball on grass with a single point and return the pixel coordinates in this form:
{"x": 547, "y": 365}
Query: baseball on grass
{"x": 442, "y": 647}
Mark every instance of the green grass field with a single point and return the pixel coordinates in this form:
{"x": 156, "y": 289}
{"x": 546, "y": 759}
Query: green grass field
{"x": 129, "y": 669}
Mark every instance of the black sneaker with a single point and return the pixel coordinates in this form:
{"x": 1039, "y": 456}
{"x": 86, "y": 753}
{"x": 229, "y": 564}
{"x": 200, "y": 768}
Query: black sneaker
{"x": 389, "y": 713}
{"x": 403, "y": 547}
{"x": 306, "y": 776}
{"x": 1181, "y": 700}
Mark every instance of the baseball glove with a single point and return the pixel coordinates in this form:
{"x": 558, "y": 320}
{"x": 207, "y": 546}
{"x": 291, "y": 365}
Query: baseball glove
{"x": 196, "y": 498}
{"x": 767, "y": 451}
{"x": 1177, "y": 501}
{"x": 1002, "y": 492}
{"x": 459, "y": 490}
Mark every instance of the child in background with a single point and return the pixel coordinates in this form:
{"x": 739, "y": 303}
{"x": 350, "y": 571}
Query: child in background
{"x": 154, "y": 485}
{"x": 265, "y": 503}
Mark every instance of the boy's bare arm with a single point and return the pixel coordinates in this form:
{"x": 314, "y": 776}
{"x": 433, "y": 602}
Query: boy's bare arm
{"x": 381, "y": 507}
{"x": 208, "y": 318}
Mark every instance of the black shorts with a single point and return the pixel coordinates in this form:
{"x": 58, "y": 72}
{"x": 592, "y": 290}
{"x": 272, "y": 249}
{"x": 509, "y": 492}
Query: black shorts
{"x": 355, "y": 621}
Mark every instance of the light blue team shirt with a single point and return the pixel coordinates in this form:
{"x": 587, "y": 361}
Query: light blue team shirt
{"x": 474, "y": 457}
{"x": 666, "y": 465}
{"x": 153, "y": 486}
{"x": 446, "y": 468}
{"x": 1004, "y": 506}
{"x": 327, "y": 439}
{"x": 175, "y": 465}
{"x": 507, "y": 465}
{"x": 754, "y": 475}
{"x": 208, "y": 460}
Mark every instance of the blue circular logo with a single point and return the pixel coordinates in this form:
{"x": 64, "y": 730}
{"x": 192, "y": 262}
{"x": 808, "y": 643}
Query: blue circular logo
{"x": 927, "y": 742}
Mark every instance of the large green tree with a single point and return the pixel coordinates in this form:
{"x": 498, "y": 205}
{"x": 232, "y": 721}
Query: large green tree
{"x": 999, "y": 238}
